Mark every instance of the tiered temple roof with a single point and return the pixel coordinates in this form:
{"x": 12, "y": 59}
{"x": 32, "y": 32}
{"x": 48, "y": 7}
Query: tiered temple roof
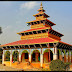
{"x": 40, "y": 34}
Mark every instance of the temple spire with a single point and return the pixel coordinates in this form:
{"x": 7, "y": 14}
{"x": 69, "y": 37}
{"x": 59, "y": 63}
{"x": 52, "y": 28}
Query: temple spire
{"x": 41, "y": 5}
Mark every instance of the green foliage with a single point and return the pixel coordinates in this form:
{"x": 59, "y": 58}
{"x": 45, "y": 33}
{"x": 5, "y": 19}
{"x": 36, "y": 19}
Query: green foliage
{"x": 59, "y": 51}
{"x": 1, "y": 52}
{"x": 35, "y": 51}
{"x": 25, "y": 51}
{"x": 14, "y": 59}
{"x": 57, "y": 65}
{"x": 15, "y": 55}
{"x": 67, "y": 64}
{"x": 0, "y": 30}
{"x": 45, "y": 60}
{"x": 7, "y": 56}
{"x": 46, "y": 69}
{"x": 46, "y": 50}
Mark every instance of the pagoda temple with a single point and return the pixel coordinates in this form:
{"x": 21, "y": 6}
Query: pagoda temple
{"x": 38, "y": 45}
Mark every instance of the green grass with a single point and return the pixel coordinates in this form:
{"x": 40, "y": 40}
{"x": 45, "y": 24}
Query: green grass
{"x": 46, "y": 69}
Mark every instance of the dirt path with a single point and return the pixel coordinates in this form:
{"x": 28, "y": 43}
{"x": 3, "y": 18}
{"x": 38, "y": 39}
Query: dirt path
{"x": 7, "y": 68}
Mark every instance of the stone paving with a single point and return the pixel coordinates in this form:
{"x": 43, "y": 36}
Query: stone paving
{"x": 7, "y": 68}
{"x": 29, "y": 68}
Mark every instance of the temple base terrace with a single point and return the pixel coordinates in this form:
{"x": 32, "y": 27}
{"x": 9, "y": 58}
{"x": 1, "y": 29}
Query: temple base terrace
{"x": 39, "y": 54}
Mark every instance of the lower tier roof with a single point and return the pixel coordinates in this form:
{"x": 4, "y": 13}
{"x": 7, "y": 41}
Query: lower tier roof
{"x": 35, "y": 41}
{"x": 33, "y": 29}
{"x": 31, "y": 41}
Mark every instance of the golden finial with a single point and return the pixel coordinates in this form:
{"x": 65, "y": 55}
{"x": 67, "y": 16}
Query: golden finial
{"x": 41, "y": 4}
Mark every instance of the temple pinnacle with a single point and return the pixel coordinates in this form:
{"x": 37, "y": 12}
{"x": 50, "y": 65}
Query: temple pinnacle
{"x": 41, "y": 5}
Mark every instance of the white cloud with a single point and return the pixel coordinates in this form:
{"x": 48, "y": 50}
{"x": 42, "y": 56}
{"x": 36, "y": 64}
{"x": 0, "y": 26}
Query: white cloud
{"x": 29, "y": 5}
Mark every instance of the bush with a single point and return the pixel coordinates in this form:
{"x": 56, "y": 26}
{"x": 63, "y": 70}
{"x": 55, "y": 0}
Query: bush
{"x": 57, "y": 65}
{"x": 46, "y": 69}
{"x": 67, "y": 66}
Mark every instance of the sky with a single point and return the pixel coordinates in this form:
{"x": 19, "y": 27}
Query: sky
{"x": 15, "y": 14}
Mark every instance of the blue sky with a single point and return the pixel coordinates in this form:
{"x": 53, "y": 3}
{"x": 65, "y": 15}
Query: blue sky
{"x": 15, "y": 14}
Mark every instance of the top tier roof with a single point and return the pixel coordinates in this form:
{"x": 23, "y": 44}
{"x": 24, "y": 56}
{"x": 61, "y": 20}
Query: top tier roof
{"x": 41, "y": 8}
{"x": 41, "y": 13}
{"x": 42, "y": 19}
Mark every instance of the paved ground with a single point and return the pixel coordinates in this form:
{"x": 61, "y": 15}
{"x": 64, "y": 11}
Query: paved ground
{"x": 6, "y": 68}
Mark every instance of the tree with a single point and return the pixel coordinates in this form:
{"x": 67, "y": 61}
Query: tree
{"x": 7, "y": 56}
{"x": 1, "y": 55}
{"x": 0, "y": 30}
{"x": 57, "y": 65}
{"x": 0, "y": 48}
{"x": 15, "y": 55}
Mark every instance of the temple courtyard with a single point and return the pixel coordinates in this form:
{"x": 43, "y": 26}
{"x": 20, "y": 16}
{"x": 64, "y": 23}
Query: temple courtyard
{"x": 27, "y": 68}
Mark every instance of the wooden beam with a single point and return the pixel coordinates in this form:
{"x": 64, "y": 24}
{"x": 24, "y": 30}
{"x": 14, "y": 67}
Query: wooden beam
{"x": 46, "y": 30}
{"x": 40, "y": 45}
{"x": 28, "y": 33}
{"x": 6, "y": 47}
{"x": 34, "y": 46}
{"x": 29, "y": 46}
{"x": 53, "y": 33}
{"x": 19, "y": 47}
{"x": 55, "y": 45}
{"x": 14, "y": 47}
{"x": 47, "y": 44}
{"x": 37, "y": 32}
{"x": 65, "y": 46}
{"x": 56, "y": 34}
{"x": 2, "y": 47}
{"x": 60, "y": 45}
{"x": 43, "y": 22}
{"x": 41, "y": 31}
{"x": 32, "y": 32}
{"x": 10, "y": 47}
{"x": 33, "y": 23}
{"x": 49, "y": 23}
{"x": 30, "y": 23}
{"x": 24, "y": 34}
{"x": 23, "y": 46}
{"x": 36, "y": 22}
